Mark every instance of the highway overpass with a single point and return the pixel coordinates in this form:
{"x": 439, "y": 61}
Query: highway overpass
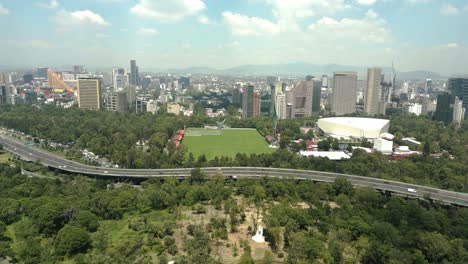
{"x": 54, "y": 161}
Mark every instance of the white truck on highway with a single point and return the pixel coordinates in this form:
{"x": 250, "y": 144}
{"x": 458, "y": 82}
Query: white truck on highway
{"x": 411, "y": 190}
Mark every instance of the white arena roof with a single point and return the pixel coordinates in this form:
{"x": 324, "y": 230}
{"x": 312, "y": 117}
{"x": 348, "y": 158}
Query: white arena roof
{"x": 356, "y": 127}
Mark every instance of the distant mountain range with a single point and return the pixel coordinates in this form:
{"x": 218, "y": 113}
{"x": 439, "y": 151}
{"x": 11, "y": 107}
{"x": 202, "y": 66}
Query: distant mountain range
{"x": 300, "y": 69}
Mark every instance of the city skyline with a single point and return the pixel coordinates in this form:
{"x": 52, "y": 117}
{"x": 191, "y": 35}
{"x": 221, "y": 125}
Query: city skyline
{"x": 217, "y": 34}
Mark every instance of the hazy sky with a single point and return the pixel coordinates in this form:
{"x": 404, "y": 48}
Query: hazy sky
{"x": 415, "y": 34}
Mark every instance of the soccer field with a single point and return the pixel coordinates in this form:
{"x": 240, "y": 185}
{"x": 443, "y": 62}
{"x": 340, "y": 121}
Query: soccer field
{"x": 226, "y": 142}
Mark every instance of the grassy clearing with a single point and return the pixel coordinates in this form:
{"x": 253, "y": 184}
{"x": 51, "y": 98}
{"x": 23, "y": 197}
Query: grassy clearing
{"x": 228, "y": 143}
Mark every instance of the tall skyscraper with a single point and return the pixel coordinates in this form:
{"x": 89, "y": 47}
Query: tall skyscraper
{"x": 458, "y": 111}
{"x": 316, "y": 96}
{"x": 272, "y": 99}
{"x": 131, "y": 93}
{"x": 89, "y": 93}
{"x": 444, "y": 108}
{"x": 280, "y": 105}
{"x": 459, "y": 87}
{"x": 236, "y": 96}
{"x": 372, "y": 96}
{"x": 247, "y": 101}
{"x": 256, "y": 108}
{"x": 42, "y": 72}
{"x": 428, "y": 86}
{"x": 133, "y": 73}
{"x": 344, "y": 93}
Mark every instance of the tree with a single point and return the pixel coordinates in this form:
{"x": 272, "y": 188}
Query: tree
{"x": 434, "y": 246}
{"x": 87, "y": 220}
{"x": 197, "y": 175}
{"x": 71, "y": 240}
{"x": 342, "y": 186}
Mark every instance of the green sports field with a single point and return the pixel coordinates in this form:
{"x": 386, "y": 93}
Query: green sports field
{"x": 225, "y": 142}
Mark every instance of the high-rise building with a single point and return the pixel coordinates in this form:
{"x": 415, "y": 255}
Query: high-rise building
{"x": 5, "y": 93}
{"x": 428, "y": 86}
{"x": 459, "y": 87}
{"x": 280, "y": 105}
{"x": 116, "y": 102}
{"x": 316, "y": 96}
{"x": 458, "y": 111}
{"x": 184, "y": 82}
{"x": 42, "y": 73}
{"x": 133, "y": 73}
{"x": 247, "y": 101}
{"x": 145, "y": 83}
{"x": 344, "y": 93}
{"x": 4, "y": 79}
{"x": 28, "y": 77}
{"x": 120, "y": 81}
{"x": 236, "y": 96}
{"x": 117, "y": 71}
{"x": 131, "y": 93}
{"x": 372, "y": 96}
{"x": 89, "y": 93}
{"x": 444, "y": 108}
{"x": 325, "y": 81}
{"x": 272, "y": 99}
{"x": 256, "y": 108}
{"x": 302, "y": 98}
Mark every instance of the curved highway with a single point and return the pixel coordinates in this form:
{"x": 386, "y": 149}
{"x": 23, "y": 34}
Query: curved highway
{"x": 54, "y": 161}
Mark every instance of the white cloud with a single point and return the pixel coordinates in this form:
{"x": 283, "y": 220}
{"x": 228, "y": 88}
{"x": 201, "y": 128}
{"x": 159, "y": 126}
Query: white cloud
{"x": 369, "y": 30}
{"x": 366, "y": 2}
{"x": 52, "y": 4}
{"x": 249, "y": 26}
{"x": 84, "y": 17}
{"x": 3, "y": 10}
{"x": 466, "y": 8}
{"x": 203, "y": 20}
{"x": 449, "y": 10}
{"x": 296, "y": 9}
{"x": 165, "y": 10}
{"x": 147, "y": 32}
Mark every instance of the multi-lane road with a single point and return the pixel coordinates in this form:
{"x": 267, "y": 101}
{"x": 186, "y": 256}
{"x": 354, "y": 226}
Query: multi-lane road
{"x": 54, "y": 161}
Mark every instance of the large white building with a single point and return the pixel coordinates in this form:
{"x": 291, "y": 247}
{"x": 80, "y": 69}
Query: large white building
{"x": 354, "y": 127}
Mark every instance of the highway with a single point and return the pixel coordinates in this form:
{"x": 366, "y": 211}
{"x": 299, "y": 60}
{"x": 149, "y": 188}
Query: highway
{"x": 30, "y": 153}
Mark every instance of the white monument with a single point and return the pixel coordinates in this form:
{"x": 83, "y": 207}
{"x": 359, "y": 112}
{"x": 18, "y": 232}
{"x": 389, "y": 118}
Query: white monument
{"x": 259, "y": 238}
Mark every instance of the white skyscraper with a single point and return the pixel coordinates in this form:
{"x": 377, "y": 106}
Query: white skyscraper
{"x": 120, "y": 81}
{"x": 458, "y": 111}
{"x": 280, "y": 105}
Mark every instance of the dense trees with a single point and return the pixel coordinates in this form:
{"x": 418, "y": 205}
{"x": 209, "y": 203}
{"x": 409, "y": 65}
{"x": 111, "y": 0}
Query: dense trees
{"x": 80, "y": 220}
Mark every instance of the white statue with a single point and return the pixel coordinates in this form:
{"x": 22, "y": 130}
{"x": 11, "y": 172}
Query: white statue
{"x": 259, "y": 238}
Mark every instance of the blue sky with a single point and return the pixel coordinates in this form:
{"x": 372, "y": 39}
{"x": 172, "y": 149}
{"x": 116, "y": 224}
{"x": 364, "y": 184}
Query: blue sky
{"x": 415, "y": 34}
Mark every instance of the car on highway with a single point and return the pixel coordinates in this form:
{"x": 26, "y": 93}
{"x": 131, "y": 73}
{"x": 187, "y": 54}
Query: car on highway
{"x": 106, "y": 172}
{"x": 411, "y": 190}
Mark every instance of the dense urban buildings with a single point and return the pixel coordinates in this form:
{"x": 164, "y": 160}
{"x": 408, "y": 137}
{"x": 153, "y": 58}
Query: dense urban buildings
{"x": 344, "y": 93}
{"x": 89, "y": 93}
